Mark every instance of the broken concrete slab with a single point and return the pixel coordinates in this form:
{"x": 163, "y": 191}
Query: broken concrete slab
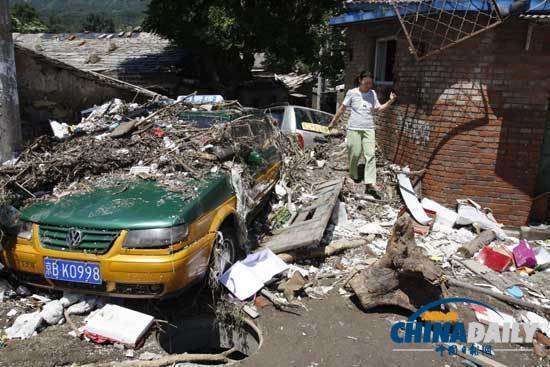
{"x": 535, "y": 233}
{"x": 52, "y": 312}
{"x": 70, "y": 299}
{"x": 25, "y": 326}
{"x": 84, "y": 306}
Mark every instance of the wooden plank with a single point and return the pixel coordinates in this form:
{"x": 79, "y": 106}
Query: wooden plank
{"x": 300, "y": 218}
{"x": 303, "y": 231}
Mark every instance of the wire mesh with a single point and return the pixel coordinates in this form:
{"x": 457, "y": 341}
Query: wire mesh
{"x": 432, "y": 26}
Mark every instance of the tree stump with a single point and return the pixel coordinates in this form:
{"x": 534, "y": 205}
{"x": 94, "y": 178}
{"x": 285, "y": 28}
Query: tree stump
{"x": 404, "y": 277}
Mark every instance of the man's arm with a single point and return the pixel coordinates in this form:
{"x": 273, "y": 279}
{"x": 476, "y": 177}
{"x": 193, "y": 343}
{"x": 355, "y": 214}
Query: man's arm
{"x": 390, "y": 101}
{"x": 337, "y": 116}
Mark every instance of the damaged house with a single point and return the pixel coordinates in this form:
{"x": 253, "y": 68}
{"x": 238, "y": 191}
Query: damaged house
{"x": 473, "y": 85}
{"x": 142, "y": 59}
{"x": 53, "y": 90}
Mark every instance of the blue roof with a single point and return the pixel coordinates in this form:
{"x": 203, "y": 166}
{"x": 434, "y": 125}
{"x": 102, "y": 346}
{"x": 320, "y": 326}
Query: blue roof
{"x": 367, "y": 11}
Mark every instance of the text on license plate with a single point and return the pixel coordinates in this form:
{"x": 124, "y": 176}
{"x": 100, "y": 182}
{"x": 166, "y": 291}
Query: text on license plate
{"x": 72, "y": 271}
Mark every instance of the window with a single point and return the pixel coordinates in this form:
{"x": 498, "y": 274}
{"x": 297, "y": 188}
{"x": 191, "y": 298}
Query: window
{"x": 241, "y": 130}
{"x": 277, "y": 114}
{"x": 306, "y": 116}
{"x": 384, "y": 60}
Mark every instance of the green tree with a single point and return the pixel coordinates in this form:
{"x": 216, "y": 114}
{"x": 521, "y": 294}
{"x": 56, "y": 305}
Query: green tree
{"x": 224, "y": 34}
{"x": 25, "y": 19}
{"x": 98, "y": 22}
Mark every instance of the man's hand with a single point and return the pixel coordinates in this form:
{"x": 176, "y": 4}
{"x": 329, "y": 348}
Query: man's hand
{"x": 393, "y": 97}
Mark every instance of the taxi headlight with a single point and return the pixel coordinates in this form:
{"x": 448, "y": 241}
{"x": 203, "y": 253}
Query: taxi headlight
{"x": 156, "y": 237}
{"x": 24, "y": 230}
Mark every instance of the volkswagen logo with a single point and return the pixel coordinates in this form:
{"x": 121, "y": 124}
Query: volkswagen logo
{"x": 74, "y": 237}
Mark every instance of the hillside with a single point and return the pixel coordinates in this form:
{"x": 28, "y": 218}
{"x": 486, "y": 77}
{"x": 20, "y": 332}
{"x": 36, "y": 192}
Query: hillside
{"x": 67, "y": 15}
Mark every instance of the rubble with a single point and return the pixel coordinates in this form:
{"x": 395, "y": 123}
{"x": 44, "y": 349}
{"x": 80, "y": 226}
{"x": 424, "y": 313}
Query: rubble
{"x": 394, "y": 250}
{"x": 25, "y": 326}
{"x": 86, "y": 304}
{"x": 52, "y": 312}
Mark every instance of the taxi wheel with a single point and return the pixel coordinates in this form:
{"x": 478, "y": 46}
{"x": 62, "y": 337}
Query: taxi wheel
{"x": 224, "y": 253}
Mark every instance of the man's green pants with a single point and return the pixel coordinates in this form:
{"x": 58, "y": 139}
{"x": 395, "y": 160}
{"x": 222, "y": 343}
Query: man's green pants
{"x": 362, "y": 141}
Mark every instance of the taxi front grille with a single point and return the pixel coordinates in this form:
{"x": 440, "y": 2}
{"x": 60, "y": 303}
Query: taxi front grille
{"x": 96, "y": 241}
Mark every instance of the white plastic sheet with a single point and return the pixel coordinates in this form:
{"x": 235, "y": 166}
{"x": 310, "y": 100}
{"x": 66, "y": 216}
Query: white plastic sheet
{"x": 248, "y": 276}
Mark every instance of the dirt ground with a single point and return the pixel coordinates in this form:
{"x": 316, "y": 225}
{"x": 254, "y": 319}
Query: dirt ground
{"x": 335, "y": 332}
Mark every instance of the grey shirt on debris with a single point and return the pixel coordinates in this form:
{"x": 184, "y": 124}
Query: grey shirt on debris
{"x": 362, "y": 108}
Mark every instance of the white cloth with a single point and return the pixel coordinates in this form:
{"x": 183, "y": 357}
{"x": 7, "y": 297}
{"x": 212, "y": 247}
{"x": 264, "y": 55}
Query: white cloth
{"x": 362, "y": 108}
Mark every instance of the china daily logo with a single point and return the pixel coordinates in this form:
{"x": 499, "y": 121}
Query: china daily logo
{"x": 441, "y": 327}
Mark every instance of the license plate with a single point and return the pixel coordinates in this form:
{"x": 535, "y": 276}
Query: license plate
{"x": 72, "y": 271}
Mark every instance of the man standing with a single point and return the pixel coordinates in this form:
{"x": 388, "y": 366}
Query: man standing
{"x": 363, "y": 102}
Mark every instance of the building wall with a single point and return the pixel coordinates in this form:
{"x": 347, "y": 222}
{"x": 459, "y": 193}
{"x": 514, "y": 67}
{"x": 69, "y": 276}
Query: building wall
{"x": 474, "y": 115}
{"x": 49, "y": 90}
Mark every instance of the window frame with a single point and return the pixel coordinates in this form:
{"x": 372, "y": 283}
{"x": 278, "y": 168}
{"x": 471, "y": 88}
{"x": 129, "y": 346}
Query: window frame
{"x": 283, "y": 110}
{"x": 377, "y": 41}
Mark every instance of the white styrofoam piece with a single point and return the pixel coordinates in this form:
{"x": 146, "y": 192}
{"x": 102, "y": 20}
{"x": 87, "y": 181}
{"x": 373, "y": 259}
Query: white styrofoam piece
{"x": 468, "y": 214}
{"x": 444, "y": 215}
{"x": 119, "y": 324}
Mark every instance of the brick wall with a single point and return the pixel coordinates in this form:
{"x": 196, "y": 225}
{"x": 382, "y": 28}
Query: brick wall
{"x": 473, "y": 115}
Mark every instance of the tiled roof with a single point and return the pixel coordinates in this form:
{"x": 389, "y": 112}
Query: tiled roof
{"x": 85, "y": 74}
{"x": 113, "y": 54}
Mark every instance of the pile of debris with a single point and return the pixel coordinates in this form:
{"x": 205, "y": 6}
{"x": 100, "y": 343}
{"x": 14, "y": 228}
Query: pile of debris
{"x": 323, "y": 234}
{"x": 396, "y": 250}
{"x": 119, "y": 142}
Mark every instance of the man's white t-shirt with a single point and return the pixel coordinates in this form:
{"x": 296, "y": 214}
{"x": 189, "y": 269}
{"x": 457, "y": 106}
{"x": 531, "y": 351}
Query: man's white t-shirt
{"x": 362, "y": 108}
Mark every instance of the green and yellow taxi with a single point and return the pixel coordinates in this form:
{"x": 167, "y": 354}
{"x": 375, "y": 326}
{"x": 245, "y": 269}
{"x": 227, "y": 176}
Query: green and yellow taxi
{"x": 142, "y": 241}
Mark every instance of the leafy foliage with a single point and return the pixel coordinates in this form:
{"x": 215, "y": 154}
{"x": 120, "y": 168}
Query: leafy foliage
{"x": 25, "y": 19}
{"x": 68, "y": 15}
{"x": 229, "y": 32}
{"x": 97, "y": 22}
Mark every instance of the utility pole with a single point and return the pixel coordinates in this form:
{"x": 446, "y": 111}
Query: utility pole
{"x": 10, "y": 125}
